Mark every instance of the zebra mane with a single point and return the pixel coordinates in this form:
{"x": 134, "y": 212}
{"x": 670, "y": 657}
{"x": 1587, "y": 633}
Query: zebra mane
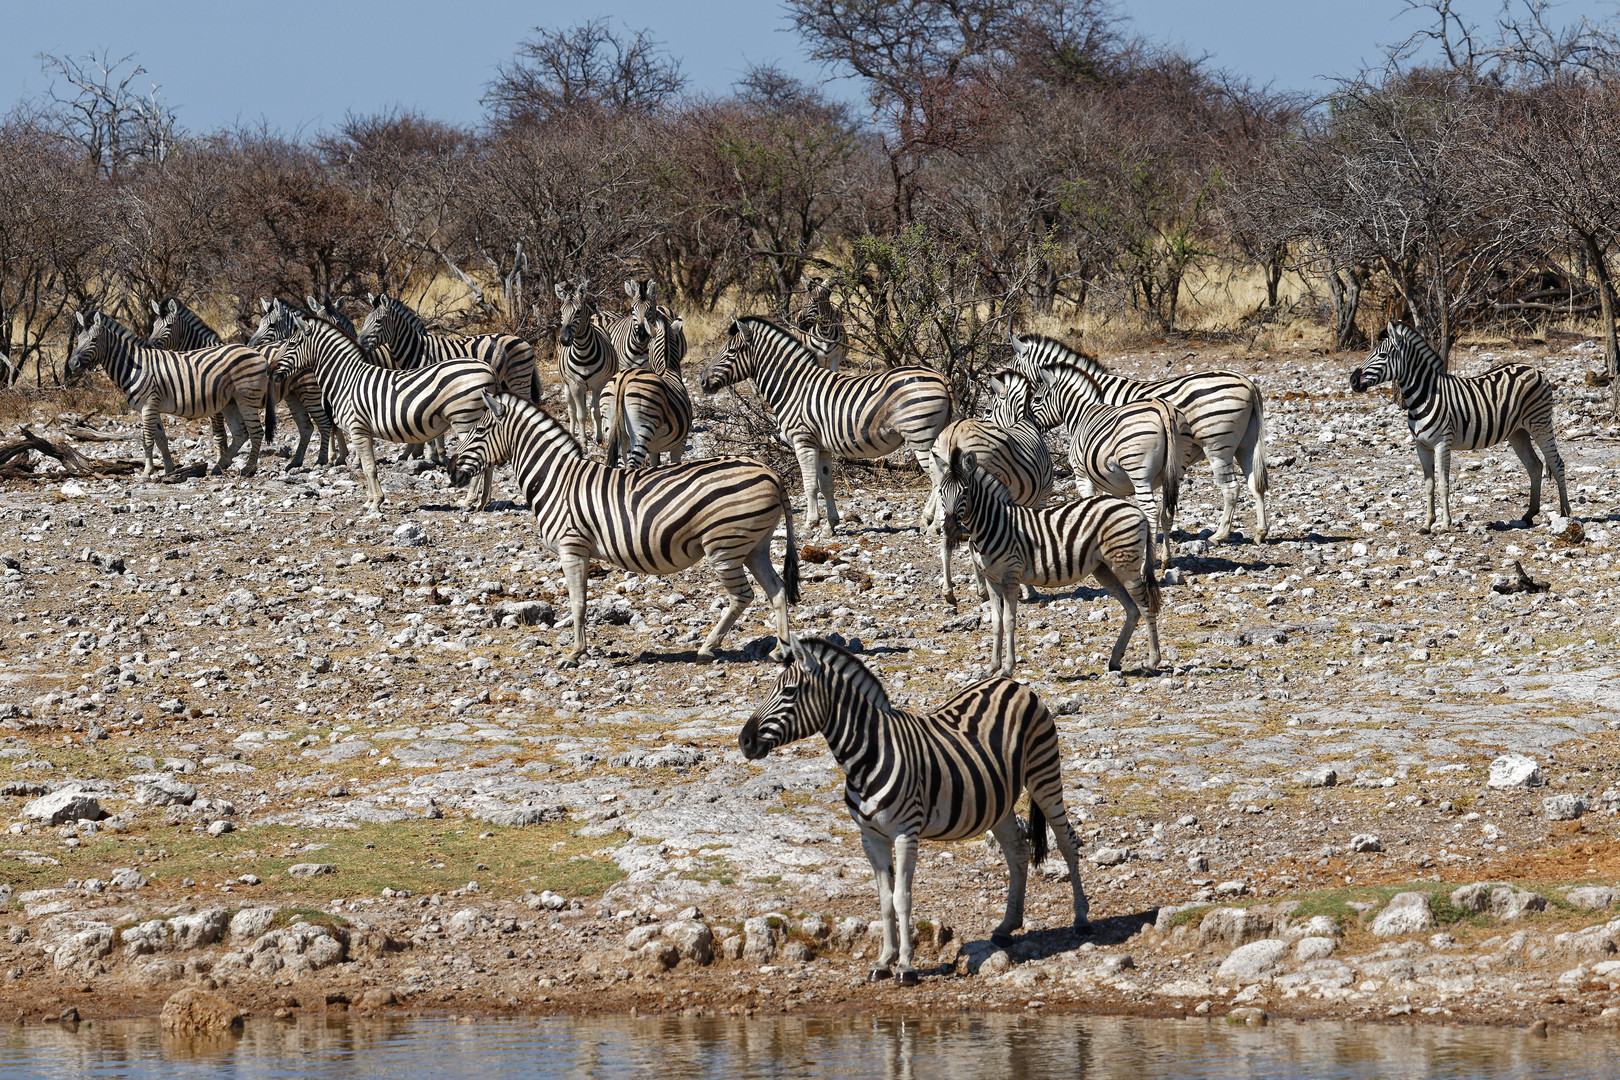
{"x": 1417, "y": 346}
{"x": 123, "y": 332}
{"x": 526, "y": 413}
{"x": 322, "y": 320}
{"x": 779, "y": 335}
{"x": 847, "y": 665}
{"x": 411, "y": 319}
{"x": 1049, "y": 350}
{"x": 186, "y": 314}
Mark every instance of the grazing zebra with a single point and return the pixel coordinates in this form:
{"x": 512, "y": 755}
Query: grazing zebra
{"x": 369, "y": 403}
{"x": 231, "y": 382}
{"x": 1466, "y": 412}
{"x": 819, "y": 413}
{"x": 1130, "y": 450}
{"x": 949, "y": 774}
{"x": 1010, "y": 446}
{"x": 277, "y": 327}
{"x": 819, "y": 325}
{"x": 651, "y": 521}
{"x": 1103, "y": 536}
{"x": 586, "y": 359}
{"x": 407, "y": 344}
{"x": 650, "y": 411}
{"x": 1224, "y": 413}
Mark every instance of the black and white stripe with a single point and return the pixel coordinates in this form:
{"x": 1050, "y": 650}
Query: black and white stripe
{"x": 369, "y": 403}
{"x": 820, "y": 414}
{"x": 948, "y": 774}
{"x": 586, "y": 359}
{"x": 650, "y": 412}
{"x": 819, "y": 325}
{"x": 302, "y": 392}
{"x": 1466, "y": 412}
{"x": 1224, "y": 412}
{"x": 1010, "y": 446}
{"x": 398, "y": 338}
{"x": 631, "y": 331}
{"x": 228, "y": 384}
{"x": 1103, "y": 536}
{"x": 651, "y": 521}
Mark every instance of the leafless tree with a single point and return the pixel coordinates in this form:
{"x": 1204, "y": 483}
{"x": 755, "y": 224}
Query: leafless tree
{"x": 104, "y": 109}
{"x": 586, "y": 67}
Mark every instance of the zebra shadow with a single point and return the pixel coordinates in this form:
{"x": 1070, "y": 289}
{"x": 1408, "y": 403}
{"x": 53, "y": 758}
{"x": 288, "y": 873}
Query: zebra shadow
{"x": 1104, "y": 932}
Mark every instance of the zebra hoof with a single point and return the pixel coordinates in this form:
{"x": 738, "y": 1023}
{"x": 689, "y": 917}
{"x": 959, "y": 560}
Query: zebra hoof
{"x": 706, "y": 655}
{"x": 1001, "y": 941}
{"x": 879, "y": 974}
{"x": 909, "y": 978}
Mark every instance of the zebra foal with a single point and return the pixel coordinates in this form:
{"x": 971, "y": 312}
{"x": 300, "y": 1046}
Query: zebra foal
{"x": 370, "y": 403}
{"x": 1466, "y": 412}
{"x": 650, "y": 521}
{"x": 1105, "y": 537}
{"x": 819, "y": 413}
{"x": 949, "y": 774}
{"x": 650, "y": 411}
{"x": 227, "y": 384}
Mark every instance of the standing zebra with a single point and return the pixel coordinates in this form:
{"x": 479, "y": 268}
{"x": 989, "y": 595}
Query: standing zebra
{"x": 631, "y": 331}
{"x": 1009, "y": 446}
{"x": 819, "y": 325}
{"x": 302, "y": 392}
{"x": 369, "y": 403}
{"x": 1466, "y": 412}
{"x": 409, "y": 344}
{"x": 228, "y": 381}
{"x": 819, "y": 413}
{"x": 650, "y": 411}
{"x": 949, "y": 774}
{"x": 651, "y": 521}
{"x": 1224, "y": 412}
{"x": 585, "y": 359}
{"x": 1103, "y": 536}
{"x": 180, "y": 329}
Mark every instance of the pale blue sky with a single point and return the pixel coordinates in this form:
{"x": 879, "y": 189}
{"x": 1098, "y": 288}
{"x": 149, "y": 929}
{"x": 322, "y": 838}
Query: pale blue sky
{"x": 300, "y": 64}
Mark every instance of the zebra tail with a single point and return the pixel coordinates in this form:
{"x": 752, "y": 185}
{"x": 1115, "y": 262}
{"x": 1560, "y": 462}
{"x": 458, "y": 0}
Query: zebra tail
{"x": 1036, "y": 834}
{"x": 1259, "y": 476}
{"x": 790, "y": 558}
{"x": 615, "y": 441}
{"x": 269, "y": 412}
{"x": 1150, "y": 581}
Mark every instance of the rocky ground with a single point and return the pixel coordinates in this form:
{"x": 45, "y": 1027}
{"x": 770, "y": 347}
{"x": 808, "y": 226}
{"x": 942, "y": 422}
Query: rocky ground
{"x": 253, "y": 741}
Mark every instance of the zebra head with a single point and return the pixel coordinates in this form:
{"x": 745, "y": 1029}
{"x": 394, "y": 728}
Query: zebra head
{"x": 275, "y": 324}
{"x": 664, "y": 348}
{"x": 643, "y": 302}
{"x": 90, "y": 346}
{"x": 1400, "y": 348}
{"x": 955, "y": 474}
{"x": 783, "y": 716}
{"x": 167, "y": 324}
{"x": 576, "y": 311}
{"x": 1020, "y": 398}
{"x": 737, "y": 362}
{"x": 298, "y": 351}
{"x": 383, "y": 323}
{"x": 487, "y": 443}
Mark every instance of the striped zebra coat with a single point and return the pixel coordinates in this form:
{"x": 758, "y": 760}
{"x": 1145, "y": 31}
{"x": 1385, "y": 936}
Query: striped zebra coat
{"x": 180, "y": 329}
{"x": 369, "y": 403}
{"x": 819, "y": 326}
{"x": 949, "y": 774}
{"x": 650, "y": 521}
{"x": 302, "y": 392}
{"x": 1105, "y": 537}
{"x": 585, "y": 359}
{"x": 1466, "y": 412}
{"x": 231, "y": 382}
{"x": 1132, "y": 450}
{"x": 650, "y": 412}
{"x": 398, "y": 338}
{"x": 631, "y": 332}
{"x": 1010, "y": 447}
{"x": 1224, "y": 412}
{"x": 820, "y": 414}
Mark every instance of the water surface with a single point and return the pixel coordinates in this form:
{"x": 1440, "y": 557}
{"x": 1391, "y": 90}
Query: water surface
{"x": 966, "y": 1047}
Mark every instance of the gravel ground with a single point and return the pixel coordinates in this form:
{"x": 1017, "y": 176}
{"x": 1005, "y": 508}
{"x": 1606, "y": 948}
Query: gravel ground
{"x": 254, "y": 740}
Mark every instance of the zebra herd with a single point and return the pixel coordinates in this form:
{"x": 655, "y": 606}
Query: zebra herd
{"x": 948, "y": 774}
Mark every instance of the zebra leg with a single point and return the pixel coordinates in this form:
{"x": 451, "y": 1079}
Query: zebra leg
{"x": 306, "y": 428}
{"x": 824, "y": 475}
{"x": 217, "y": 421}
{"x": 1555, "y": 465}
{"x": 1015, "y": 849}
{"x": 739, "y": 597}
{"x": 930, "y": 514}
{"x": 905, "y": 868}
{"x": 1522, "y": 446}
{"x": 1047, "y": 793}
{"x": 595, "y": 407}
{"x": 947, "y": 589}
{"x": 155, "y": 435}
{"x": 1442, "y": 476}
{"x": 808, "y": 457}
{"x": 759, "y": 564}
{"x": 1251, "y": 458}
{"x": 1134, "y": 599}
{"x": 1142, "y": 488}
{"x": 1226, "y": 480}
{"x": 253, "y": 421}
{"x": 880, "y": 853}
{"x": 1426, "y": 459}
{"x": 241, "y": 432}
{"x": 575, "y": 568}
{"x": 366, "y": 450}
{"x": 1004, "y": 624}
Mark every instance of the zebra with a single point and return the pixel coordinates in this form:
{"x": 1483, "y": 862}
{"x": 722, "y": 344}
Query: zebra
{"x": 650, "y": 521}
{"x": 586, "y": 359}
{"x": 1010, "y": 446}
{"x": 368, "y": 402}
{"x": 1466, "y": 412}
{"x": 819, "y": 414}
{"x": 1106, "y": 537}
{"x": 949, "y": 774}
{"x": 1224, "y": 412}
{"x": 1131, "y": 450}
{"x": 650, "y": 411}
{"x": 180, "y": 329}
{"x": 302, "y": 392}
{"x": 819, "y": 326}
{"x": 408, "y": 344}
{"x": 231, "y": 382}
{"x": 631, "y": 331}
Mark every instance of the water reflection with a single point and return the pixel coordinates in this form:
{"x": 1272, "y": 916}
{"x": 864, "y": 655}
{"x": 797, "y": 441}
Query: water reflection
{"x": 965, "y": 1046}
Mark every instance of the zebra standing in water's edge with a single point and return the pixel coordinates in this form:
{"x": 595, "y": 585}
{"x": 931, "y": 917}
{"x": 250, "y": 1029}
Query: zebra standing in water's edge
{"x": 949, "y": 774}
{"x": 1466, "y": 412}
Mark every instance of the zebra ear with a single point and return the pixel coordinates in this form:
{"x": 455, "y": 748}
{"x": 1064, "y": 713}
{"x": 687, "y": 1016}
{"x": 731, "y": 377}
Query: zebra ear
{"x": 174, "y": 306}
{"x": 264, "y": 305}
{"x": 371, "y": 298}
{"x": 157, "y": 309}
{"x": 803, "y": 656}
{"x": 495, "y": 405}
{"x": 997, "y": 386}
{"x": 632, "y": 290}
{"x": 562, "y": 293}
{"x": 652, "y": 291}
{"x": 1389, "y": 329}
{"x": 79, "y": 315}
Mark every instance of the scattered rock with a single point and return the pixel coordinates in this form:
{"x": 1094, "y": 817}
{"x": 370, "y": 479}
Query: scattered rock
{"x": 310, "y": 869}
{"x": 1249, "y": 962}
{"x": 1591, "y": 897}
{"x": 1406, "y": 913}
{"x": 1509, "y": 904}
{"x": 1566, "y": 807}
{"x": 63, "y": 806}
{"x": 1514, "y": 771}
{"x": 1364, "y": 842}
{"x": 192, "y": 1011}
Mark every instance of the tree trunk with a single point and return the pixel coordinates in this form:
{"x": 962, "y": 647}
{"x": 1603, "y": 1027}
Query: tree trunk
{"x": 1346, "y": 293}
{"x": 1274, "y": 273}
{"x": 1606, "y": 302}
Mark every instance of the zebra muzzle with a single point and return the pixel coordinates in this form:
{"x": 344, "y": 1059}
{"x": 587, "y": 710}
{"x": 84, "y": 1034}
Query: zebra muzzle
{"x": 1356, "y": 380}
